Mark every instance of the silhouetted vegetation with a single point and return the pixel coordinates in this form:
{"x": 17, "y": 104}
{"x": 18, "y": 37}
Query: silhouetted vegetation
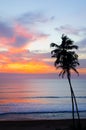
{"x": 67, "y": 59}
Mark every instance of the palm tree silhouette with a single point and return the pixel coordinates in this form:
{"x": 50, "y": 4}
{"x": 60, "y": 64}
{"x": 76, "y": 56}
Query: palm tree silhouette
{"x": 67, "y": 59}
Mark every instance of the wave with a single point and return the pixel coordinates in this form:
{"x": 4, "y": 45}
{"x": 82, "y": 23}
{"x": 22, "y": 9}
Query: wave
{"x": 40, "y": 112}
{"x": 55, "y": 97}
{"x": 46, "y": 97}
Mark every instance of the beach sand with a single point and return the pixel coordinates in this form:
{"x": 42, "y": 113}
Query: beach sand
{"x": 40, "y": 125}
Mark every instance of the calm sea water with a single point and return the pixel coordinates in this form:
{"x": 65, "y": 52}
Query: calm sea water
{"x": 25, "y": 98}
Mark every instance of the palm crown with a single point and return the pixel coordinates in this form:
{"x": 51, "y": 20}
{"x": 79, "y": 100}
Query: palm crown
{"x": 66, "y": 59}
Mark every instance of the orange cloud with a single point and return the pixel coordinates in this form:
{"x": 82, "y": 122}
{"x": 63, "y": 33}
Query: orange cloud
{"x": 82, "y": 70}
{"x": 16, "y": 50}
{"x": 17, "y": 100}
{"x": 4, "y": 59}
{"x": 31, "y": 67}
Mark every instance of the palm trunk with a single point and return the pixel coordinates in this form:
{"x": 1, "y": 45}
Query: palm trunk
{"x": 72, "y": 102}
{"x": 79, "y": 124}
{"x": 73, "y": 98}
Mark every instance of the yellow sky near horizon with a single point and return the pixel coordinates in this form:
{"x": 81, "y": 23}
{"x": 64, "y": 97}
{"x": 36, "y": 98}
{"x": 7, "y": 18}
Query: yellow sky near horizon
{"x": 33, "y": 68}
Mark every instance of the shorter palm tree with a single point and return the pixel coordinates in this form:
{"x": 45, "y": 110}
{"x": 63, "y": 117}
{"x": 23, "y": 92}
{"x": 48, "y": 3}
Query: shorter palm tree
{"x": 67, "y": 59}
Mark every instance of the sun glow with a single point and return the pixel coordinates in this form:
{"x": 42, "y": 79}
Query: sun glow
{"x": 31, "y": 67}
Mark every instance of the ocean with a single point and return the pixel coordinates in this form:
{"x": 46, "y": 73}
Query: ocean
{"x": 40, "y": 98}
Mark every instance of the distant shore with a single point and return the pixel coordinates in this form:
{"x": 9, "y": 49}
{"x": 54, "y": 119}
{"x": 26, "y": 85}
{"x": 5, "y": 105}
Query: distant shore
{"x": 40, "y": 125}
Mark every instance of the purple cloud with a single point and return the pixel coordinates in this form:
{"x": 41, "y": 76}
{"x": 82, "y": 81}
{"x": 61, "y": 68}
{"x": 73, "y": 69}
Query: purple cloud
{"x": 18, "y": 36}
{"x": 33, "y": 18}
{"x": 82, "y": 63}
{"x": 40, "y": 55}
{"x": 68, "y": 29}
{"x": 6, "y": 30}
{"x": 82, "y": 48}
{"x": 20, "y": 41}
{"x": 82, "y": 45}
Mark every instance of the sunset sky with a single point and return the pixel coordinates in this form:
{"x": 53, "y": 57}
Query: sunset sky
{"x": 27, "y": 27}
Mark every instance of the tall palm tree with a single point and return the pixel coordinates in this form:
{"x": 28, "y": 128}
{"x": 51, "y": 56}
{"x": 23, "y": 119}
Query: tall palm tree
{"x": 67, "y": 59}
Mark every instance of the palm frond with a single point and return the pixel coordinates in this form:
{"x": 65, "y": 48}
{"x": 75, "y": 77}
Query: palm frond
{"x": 56, "y": 62}
{"x": 75, "y": 70}
{"x": 53, "y": 56}
{"x": 60, "y": 73}
{"x": 71, "y": 47}
{"x": 54, "y": 45}
{"x": 63, "y": 73}
{"x": 64, "y": 37}
{"x": 55, "y": 51}
{"x": 76, "y": 63}
{"x": 69, "y": 42}
{"x": 59, "y": 66}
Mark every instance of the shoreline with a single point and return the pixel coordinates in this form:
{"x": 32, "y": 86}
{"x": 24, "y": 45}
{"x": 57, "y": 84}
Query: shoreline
{"x": 64, "y": 124}
{"x": 39, "y": 116}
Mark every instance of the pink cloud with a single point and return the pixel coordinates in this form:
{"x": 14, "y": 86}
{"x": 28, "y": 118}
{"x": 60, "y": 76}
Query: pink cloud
{"x": 6, "y": 40}
{"x": 22, "y": 31}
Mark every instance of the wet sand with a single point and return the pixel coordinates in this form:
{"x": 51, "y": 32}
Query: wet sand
{"x": 40, "y": 125}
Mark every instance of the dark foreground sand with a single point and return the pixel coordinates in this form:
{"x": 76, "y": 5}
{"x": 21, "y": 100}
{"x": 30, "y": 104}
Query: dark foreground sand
{"x": 39, "y": 125}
